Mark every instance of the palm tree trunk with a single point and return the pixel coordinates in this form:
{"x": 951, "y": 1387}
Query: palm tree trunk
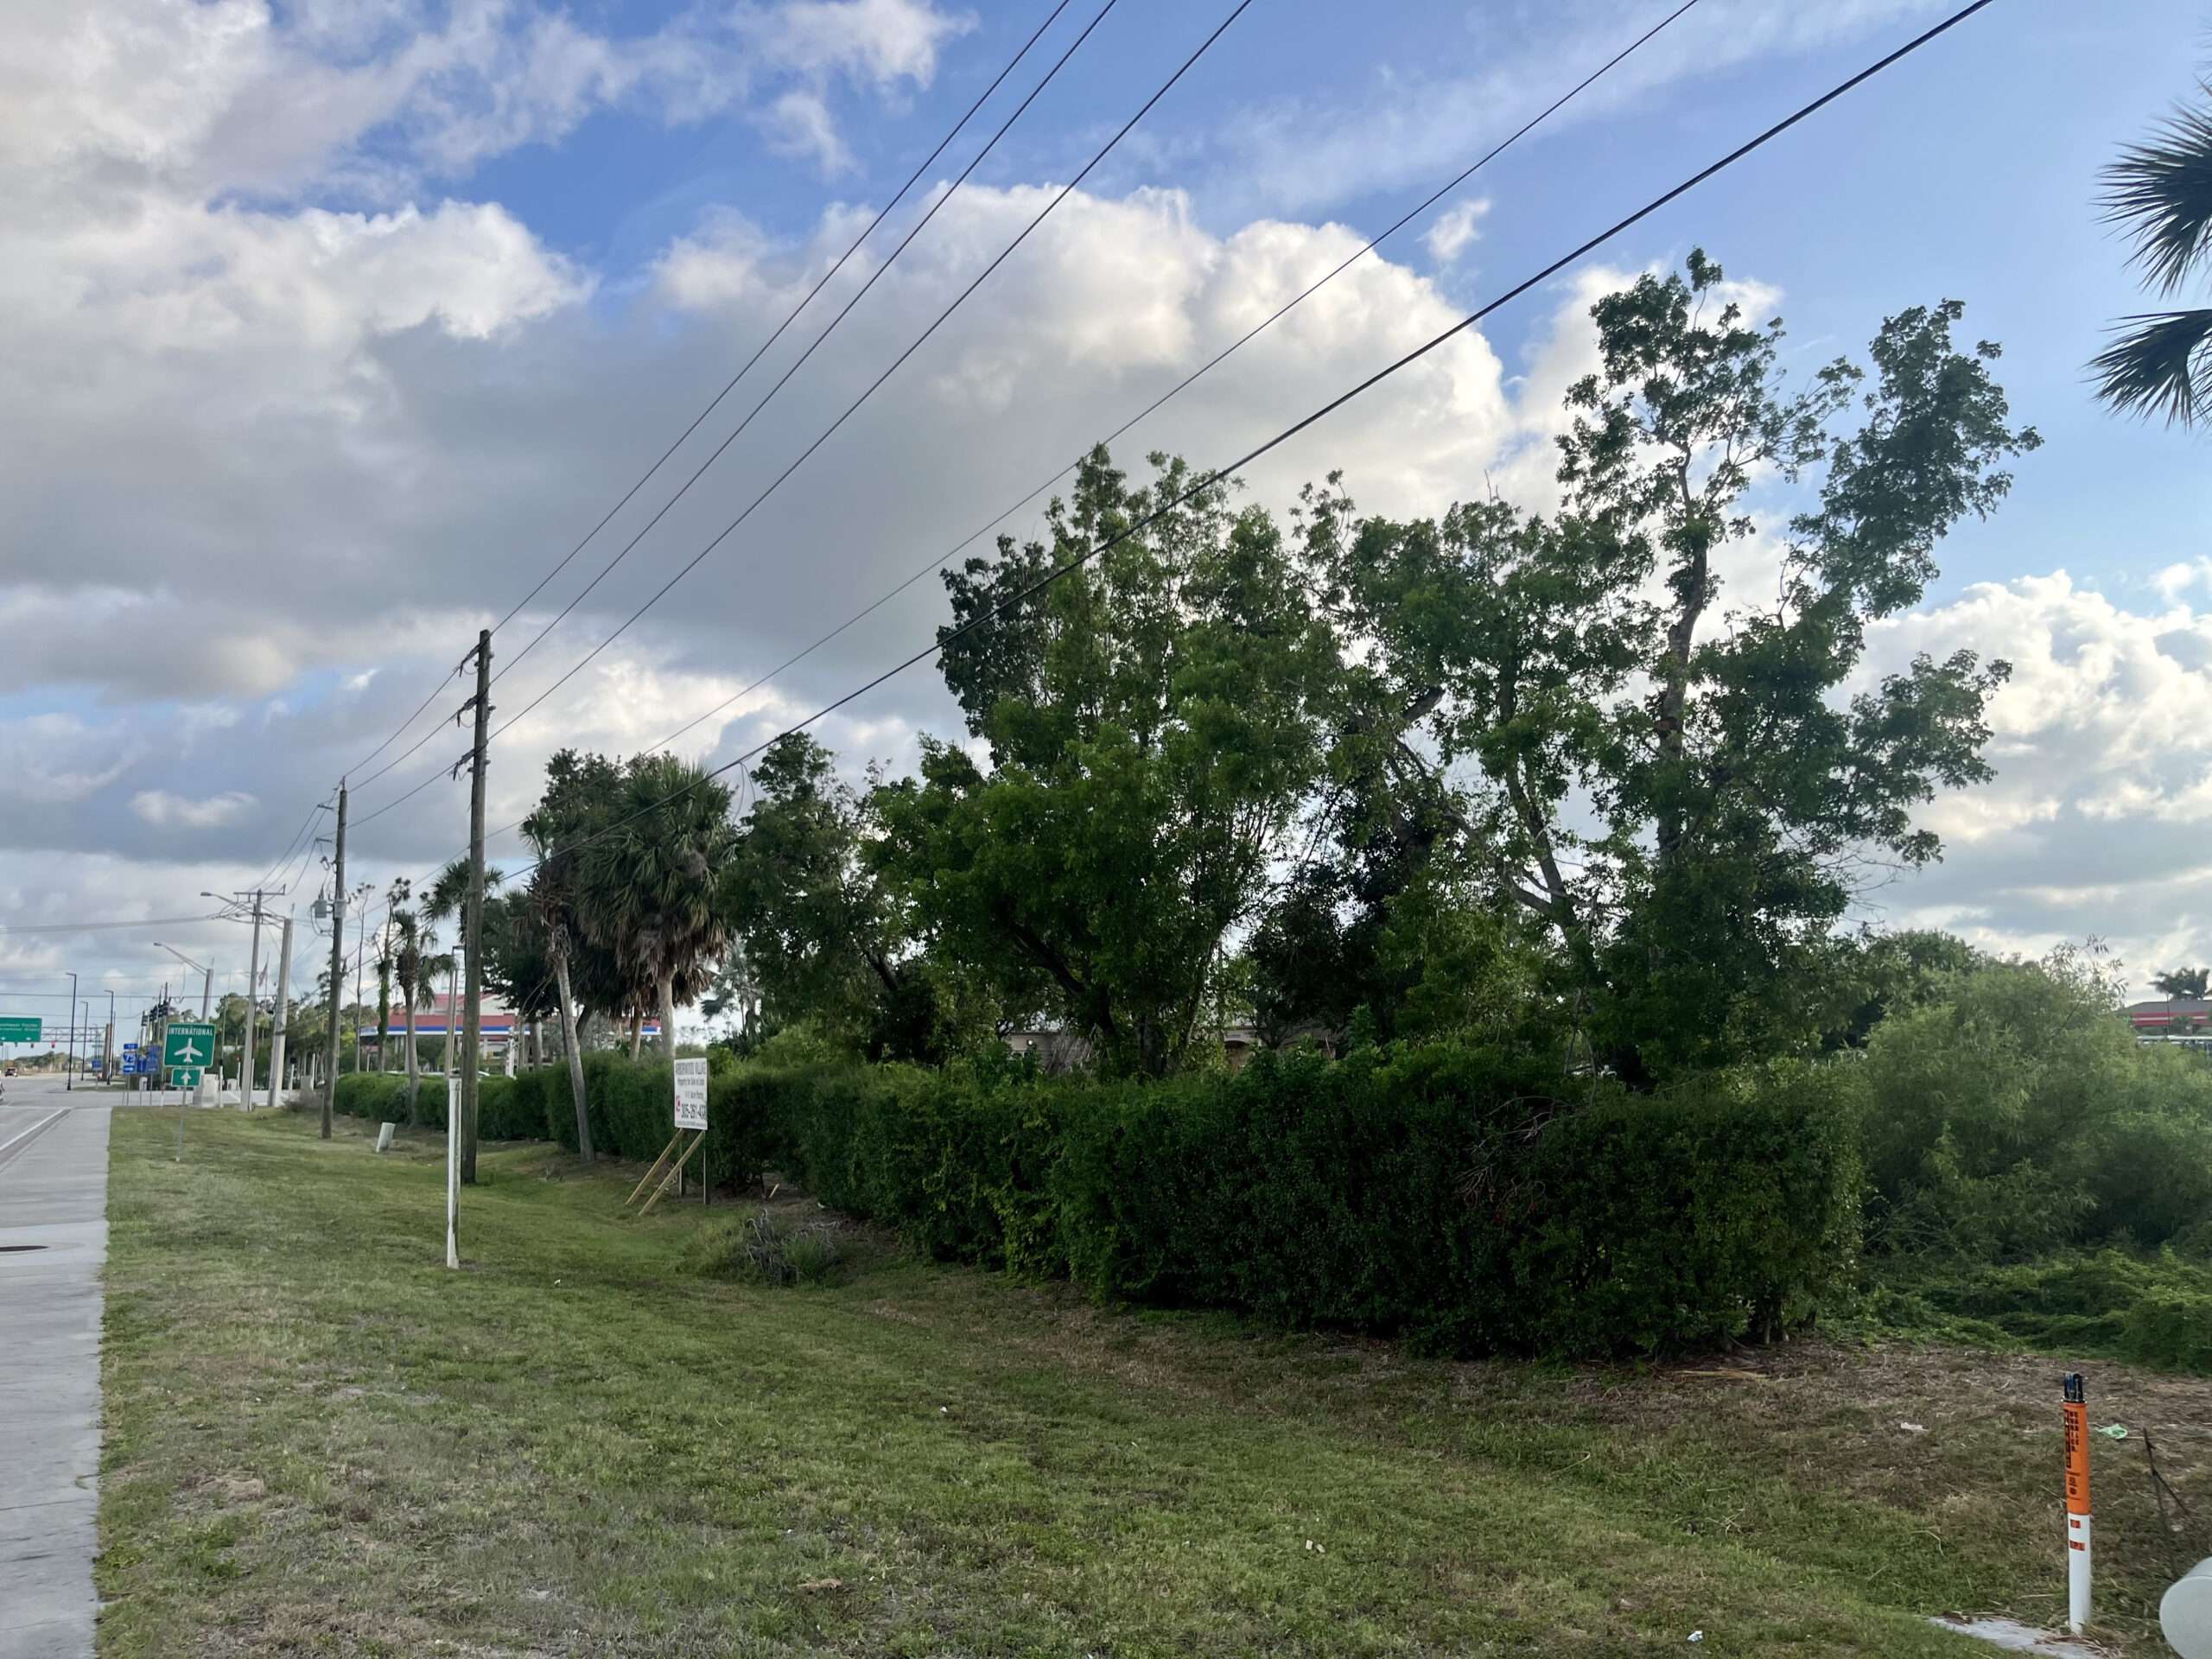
{"x": 668, "y": 1015}
{"x": 575, "y": 1057}
{"x": 637, "y": 1031}
{"x": 414, "y": 1073}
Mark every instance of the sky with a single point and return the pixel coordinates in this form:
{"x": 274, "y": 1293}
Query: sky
{"x": 328, "y": 327}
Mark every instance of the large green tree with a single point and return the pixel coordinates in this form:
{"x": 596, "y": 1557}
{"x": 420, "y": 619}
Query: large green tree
{"x": 827, "y": 936}
{"x": 1152, "y": 722}
{"x": 1686, "y": 794}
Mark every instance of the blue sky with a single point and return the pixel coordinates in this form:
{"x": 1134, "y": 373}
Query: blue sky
{"x": 388, "y": 299}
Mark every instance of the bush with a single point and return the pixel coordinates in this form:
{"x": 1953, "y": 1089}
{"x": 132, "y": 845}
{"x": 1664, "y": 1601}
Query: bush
{"x": 1458, "y": 1196}
{"x": 632, "y": 1106}
{"x": 761, "y": 1250}
{"x": 504, "y": 1110}
{"x": 2018, "y": 1113}
{"x": 2151, "y": 1310}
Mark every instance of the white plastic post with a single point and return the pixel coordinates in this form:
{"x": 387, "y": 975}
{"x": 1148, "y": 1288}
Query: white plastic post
{"x": 2077, "y": 1410}
{"x": 453, "y": 1172}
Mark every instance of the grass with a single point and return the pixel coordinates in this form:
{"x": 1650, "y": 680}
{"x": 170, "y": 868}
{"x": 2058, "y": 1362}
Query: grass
{"x": 588, "y": 1443}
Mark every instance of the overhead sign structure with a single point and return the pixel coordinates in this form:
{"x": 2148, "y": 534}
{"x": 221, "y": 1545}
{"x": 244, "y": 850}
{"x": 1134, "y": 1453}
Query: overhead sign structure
{"x": 190, "y": 1043}
{"x": 20, "y": 1027}
{"x": 691, "y": 1094}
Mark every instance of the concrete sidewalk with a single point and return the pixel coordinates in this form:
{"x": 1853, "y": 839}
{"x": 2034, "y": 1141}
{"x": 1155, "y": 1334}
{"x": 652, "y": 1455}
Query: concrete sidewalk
{"x": 53, "y": 1244}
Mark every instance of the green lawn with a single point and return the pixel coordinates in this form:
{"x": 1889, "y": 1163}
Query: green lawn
{"x": 321, "y": 1442}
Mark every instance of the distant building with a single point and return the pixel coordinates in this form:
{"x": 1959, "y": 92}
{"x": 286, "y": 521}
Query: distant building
{"x": 2172, "y": 1020}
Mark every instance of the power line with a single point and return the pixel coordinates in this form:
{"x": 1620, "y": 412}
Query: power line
{"x": 946, "y": 637}
{"x": 89, "y": 927}
{"x": 285, "y": 857}
{"x": 1201, "y": 371}
{"x": 846, "y": 310}
{"x": 897, "y": 362}
{"x": 822, "y": 282}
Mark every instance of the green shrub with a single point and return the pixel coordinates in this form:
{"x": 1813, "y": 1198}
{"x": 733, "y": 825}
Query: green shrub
{"x": 1449, "y": 1194}
{"x": 632, "y": 1106}
{"x": 2018, "y": 1113}
{"x": 2152, "y": 1310}
{"x": 759, "y": 1250}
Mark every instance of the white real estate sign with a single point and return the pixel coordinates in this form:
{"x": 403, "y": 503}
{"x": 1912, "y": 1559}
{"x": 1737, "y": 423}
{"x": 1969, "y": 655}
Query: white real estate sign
{"x": 691, "y": 1094}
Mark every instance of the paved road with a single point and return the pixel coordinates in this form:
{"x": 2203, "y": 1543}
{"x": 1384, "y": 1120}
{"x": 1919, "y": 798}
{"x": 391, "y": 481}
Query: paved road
{"x": 53, "y": 1242}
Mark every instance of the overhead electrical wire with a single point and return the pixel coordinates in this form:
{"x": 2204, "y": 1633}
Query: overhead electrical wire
{"x": 920, "y": 225}
{"x": 1198, "y": 374}
{"x": 1209, "y": 480}
{"x": 897, "y": 363}
{"x": 760, "y": 350}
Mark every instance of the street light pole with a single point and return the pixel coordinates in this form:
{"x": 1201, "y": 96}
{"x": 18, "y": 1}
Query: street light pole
{"x": 69, "y": 1065}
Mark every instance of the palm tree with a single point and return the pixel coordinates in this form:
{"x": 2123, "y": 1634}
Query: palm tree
{"x": 397, "y": 894}
{"x": 2160, "y": 192}
{"x": 2184, "y": 982}
{"x": 649, "y": 884}
{"x": 416, "y": 963}
{"x": 448, "y": 899}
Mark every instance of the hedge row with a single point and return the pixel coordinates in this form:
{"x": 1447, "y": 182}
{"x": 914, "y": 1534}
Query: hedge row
{"x": 507, "y": 1108}
{"x": 1444, "y": 1195}
{"x": 1447, "y": 1195}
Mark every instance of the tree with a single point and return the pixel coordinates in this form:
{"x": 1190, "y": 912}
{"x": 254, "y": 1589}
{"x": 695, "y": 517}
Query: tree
{"x": 2160, "y": 193}
{"x": 827, "y": 936}
{"x": 1684, "y": 797}
{"x": 579, "y": 802}
{"x": 395, "y": 896}
{"x": 2183, "y": 981}
{"x": 447, "y": 900}
{"x": 416, "y": 964}
{"x": 1153, "y": 723}
{"x": 649, "y": 878}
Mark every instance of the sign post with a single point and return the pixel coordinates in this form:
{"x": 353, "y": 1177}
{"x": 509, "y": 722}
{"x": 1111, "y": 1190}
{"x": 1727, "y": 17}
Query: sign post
{"x": 690, "y": 1116}
{"x": 187, "y": 1049}
{"x": 453, "y": 1172}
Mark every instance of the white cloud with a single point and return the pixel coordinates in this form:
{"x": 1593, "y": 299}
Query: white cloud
{"x": 879, "y": 40}
{"x": 162, "y": 810}
{"x": 799, "y": 123}
{"x": 2096, "y": 822}
{"x": 1456, "y": 230}
{"x": 1301, "y": 152}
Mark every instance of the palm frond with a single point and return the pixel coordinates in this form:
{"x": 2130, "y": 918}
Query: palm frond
{"x": 2159, "y": 365}
{"x": 2160, "y": 192}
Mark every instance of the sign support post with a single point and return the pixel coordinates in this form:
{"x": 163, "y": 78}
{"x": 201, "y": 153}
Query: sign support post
{"x": 690, "y": 1117}
{"x": 453, "y": 1172}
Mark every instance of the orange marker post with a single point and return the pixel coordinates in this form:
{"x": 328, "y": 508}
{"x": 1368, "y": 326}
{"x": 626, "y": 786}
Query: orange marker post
{"x": 2077, "y": 1410}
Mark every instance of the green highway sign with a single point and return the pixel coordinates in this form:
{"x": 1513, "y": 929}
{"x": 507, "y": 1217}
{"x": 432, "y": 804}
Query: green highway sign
{"x": 185, "y": 1077}
{"x": 19, "y": 1028}
{"x": 190, "y": 1043}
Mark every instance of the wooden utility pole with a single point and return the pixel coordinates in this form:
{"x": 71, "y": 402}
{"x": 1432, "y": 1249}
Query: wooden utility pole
{"x": 471, "y": 1016}
{"x": 253, "y": 991}
{"x": 281, "y": 1023}
{"x": 337, "y": 959}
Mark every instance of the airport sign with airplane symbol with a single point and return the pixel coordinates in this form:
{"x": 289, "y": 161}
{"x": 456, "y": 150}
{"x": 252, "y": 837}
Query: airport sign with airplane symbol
{"x": 188, "y": 1044}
